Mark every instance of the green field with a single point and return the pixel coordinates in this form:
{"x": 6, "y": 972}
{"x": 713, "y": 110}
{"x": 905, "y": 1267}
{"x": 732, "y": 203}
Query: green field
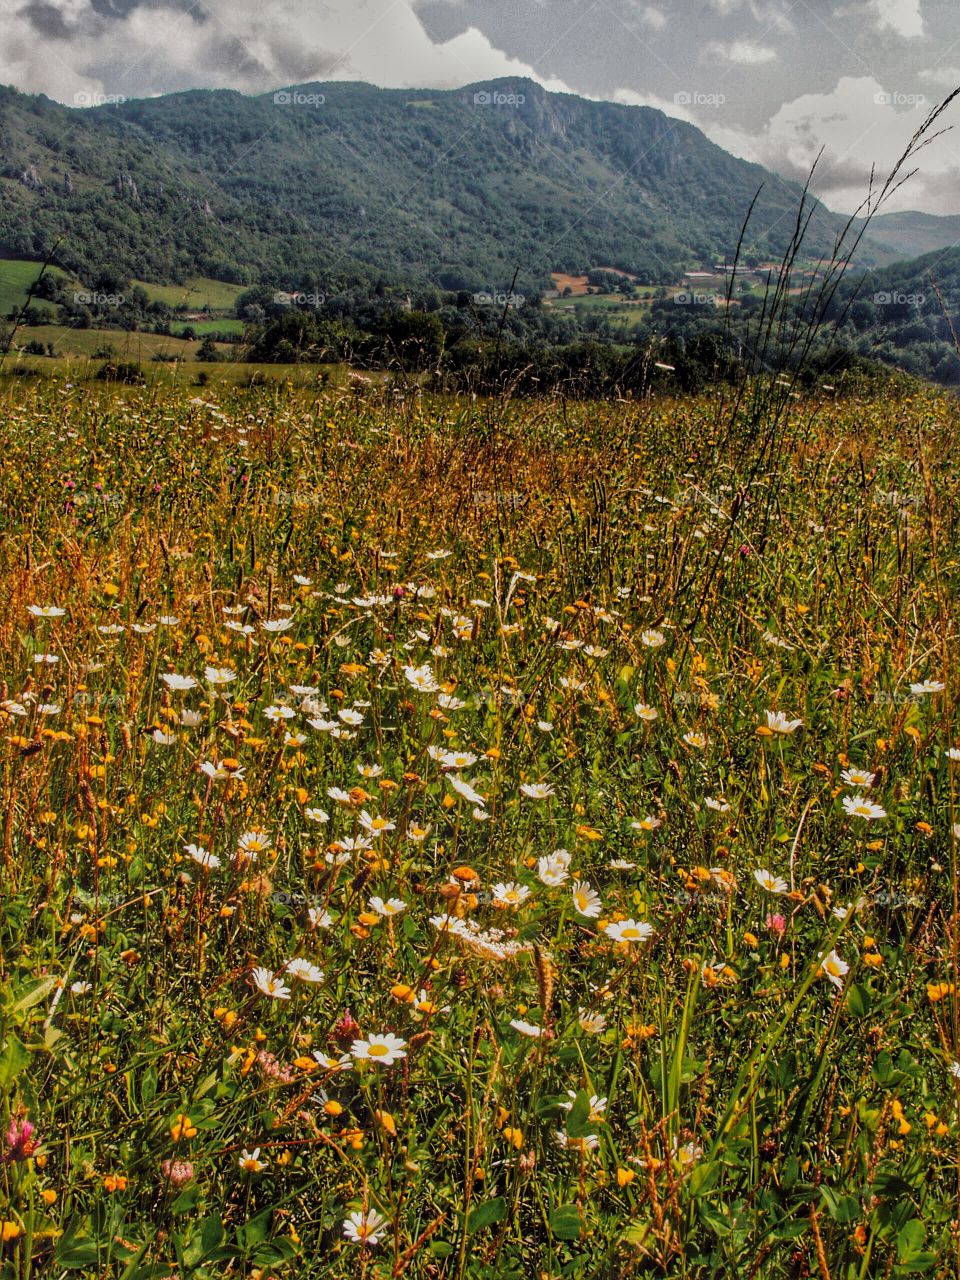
{"x": 16, "y": 277}
{"x": 127, "y": 345}
{"x": 197, "y": 294}
{"x": 183, "y": 371}
{"x": 226, "y": 325}
{"x": 612, "y": 307}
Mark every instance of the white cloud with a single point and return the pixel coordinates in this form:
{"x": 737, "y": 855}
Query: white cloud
{"x": 654, "y": 17}
{"x": 630, "y": 98}
{"x": 858, "y": 123}
{"x": 942, "y": 77}
{"x": 243, "y": 44}
{"x": 901, "y": 16}
{"x": 743, "y": 52}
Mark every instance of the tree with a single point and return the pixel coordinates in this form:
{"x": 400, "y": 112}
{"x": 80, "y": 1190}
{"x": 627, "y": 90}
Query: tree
{"x": 207, "y": 352}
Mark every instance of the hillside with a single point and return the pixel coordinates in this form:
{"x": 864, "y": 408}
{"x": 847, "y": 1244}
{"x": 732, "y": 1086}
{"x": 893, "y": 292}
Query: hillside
{"x": 346, "y": 183}
{"x": 911, "y": 233}
{"x": 897, "y": 315}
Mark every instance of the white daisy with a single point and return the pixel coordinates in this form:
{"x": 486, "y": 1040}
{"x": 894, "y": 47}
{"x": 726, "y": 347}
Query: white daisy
{"x": 586, "y": 900}
{"x": 861, "y": 807}
{"x": 303, "y": 970}
{"x": 269, "y": 984}
{"x": 767, "y": 880}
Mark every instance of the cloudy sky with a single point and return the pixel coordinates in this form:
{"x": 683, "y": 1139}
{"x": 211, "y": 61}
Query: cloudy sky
{"x": 770, "y": 80}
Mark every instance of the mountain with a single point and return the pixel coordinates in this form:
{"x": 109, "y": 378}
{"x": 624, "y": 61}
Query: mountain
{"x": 346, "y": 182}
{"x": 912, "y": 233}
{"x": 907, "y": 314}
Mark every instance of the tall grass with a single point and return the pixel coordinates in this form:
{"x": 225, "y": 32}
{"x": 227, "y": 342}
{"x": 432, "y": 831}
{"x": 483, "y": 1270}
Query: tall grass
{"x": 759, "y": 1120}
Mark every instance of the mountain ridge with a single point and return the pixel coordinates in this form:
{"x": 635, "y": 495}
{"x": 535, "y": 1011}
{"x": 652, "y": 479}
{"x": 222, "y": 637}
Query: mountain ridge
{"x": 343, "y": 180}
{"x": 912, "y": 233}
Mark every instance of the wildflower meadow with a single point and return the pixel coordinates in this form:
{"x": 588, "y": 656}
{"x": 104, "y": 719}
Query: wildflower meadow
{"x": 478, "y": 838}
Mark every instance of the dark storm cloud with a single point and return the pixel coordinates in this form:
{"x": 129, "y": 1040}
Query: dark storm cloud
{"x": 46, "y": 20}
{"x": 122, "y": 8}
{"x": 63, "y": 20}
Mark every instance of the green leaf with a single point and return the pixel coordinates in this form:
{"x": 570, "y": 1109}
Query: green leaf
{"x": 637, "y": 1232}
{"x": 187, "y": 1200}
{"x": 910, "y": 1239}
{"x": 33, "y": 995}
{"x": 205, "y": 1086}
{"x": 718, "y": 1222}
{"x": 211, "y": 1233}
{"x": 915, "y": 1265}
{"x": 548, "y": 1103}
{"x": 13, "y": 1059}
{"x": 907, "y": 1063}
{"x": 859, "y": 1000}
{"x": 565, "y": 1220}
{"x": 282, "y": 1249}
{"x": 885, "y": 1073}
{"x": 148, "y": 1085}
{"x": 790, "y": 1230}
{"x": 889, "y": 1184}
{"x": 486, "y": 1214}
{"x": 78, "y": 1255}
{"x": 578, "y": 1118}
{"x": 193, "y": 1253}
{"x": 704, "y": 1178}
{"x": 785, "y": 1071}
{"x": 848, "y": 1209}
{"x": 255, "y": 1231}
